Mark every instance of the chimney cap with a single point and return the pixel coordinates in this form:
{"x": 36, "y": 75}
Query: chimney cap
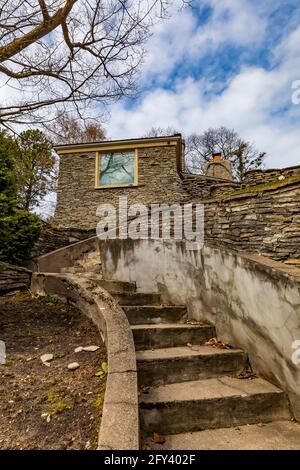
{"x": 217, "y": 156}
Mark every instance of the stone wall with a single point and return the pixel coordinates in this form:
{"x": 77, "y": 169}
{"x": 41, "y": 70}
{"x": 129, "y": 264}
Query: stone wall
{"x": 77, "y": 199}
{"x": 262, "y": 222}
{"x": 13, "y": 278}
{"x": 253, "y": 302}
{"x": 203, "y": 187}
{"x": 53, "y": 238}
{"x": 265, "y": 222}
{"x": 264, "y": 176}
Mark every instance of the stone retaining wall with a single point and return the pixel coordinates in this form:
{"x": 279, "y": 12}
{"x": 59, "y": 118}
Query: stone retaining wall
{"x": 13, "y": 278}
{"x": 266, "y": 222}
{"x": 264, "y": 176}
{"x": 53, "y": 238}
{"x": 202, "y": 187}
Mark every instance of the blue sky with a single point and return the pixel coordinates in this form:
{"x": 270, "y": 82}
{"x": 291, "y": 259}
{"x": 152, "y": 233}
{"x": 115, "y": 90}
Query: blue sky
{"x": 222, "y": 62}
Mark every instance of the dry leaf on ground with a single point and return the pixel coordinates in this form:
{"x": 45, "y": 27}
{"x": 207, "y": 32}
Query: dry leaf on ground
{"x": 158, "y": 439}
{"x": 215, "y": 343}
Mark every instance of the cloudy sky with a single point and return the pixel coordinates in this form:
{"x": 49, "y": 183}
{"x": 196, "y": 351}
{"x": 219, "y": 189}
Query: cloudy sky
{"x": 229, "y": 62}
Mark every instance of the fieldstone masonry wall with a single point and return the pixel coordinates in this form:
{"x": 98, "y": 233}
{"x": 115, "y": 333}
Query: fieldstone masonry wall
{"x": 203, "y": 187}
{"x": 267, "y": 223}
{"x": 77, "y": 200}
{"x": 13, "y": 278}
{"x": 265, "y": 176}
{"x": 53, "y": 238}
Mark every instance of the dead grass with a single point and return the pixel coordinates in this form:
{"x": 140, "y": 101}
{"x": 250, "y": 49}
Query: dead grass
{"x": 48, "y": 407}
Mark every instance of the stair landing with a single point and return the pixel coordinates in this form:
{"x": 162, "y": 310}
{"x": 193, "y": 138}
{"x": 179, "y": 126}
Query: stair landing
{"x": 278, "y": 435}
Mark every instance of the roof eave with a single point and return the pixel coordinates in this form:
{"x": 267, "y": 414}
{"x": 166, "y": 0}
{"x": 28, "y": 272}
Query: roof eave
{"x": 108, "y": 143}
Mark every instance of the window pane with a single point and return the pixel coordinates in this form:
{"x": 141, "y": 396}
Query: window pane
{"x": 117, "y": 168}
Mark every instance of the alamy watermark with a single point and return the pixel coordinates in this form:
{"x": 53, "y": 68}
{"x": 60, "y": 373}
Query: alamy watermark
{"x": 296, "y": 92}
{"x": 156, "y": 222}
{"x": 296, "y": 354}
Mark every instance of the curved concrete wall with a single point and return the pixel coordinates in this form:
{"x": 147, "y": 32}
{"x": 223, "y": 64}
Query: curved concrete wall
{"x": 254, "y": 302}
{"x": 119, "y": 424}
{"x": 65, "y": 257}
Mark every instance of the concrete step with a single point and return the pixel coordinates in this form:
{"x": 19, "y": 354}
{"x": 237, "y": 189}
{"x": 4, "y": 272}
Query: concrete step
{"x": 208, "y": 404}
{"x": 276, "y": 435}
{"x": 110, "y": 285}
{"x": 82, "y": 270}
{"x": 136, "y": 298}
{"x": 73, "y": 269}
{"x": 169, "y": 335}
{"x": 153, "y": 314}
{"x": 182, "y": 364}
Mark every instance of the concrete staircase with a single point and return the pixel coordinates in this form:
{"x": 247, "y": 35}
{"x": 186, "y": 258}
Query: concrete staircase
{"x": 189, "y": 391}
{"x": 88, "y": 264}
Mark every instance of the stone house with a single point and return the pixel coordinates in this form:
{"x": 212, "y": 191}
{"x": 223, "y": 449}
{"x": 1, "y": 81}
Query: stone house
{"x": 261, "y": 215}
{"x": 146, "y": 170}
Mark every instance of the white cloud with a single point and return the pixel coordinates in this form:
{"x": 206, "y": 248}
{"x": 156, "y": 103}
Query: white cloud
{"x": 256, "y": 101}
{"x": 182, "y": 38}
{"x": 233, "y": 21}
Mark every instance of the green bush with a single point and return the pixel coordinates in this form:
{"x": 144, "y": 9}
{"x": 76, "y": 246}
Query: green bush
{"x": 19, "y": 231}
{"x": 9, "y": 185}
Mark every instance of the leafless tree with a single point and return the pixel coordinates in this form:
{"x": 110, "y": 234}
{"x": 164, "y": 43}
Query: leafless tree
{"x": 243, "y": 154}
{"x": 70, "y": 53}
{"x": 68, "y": 129}
{"x": 161, "y": 131}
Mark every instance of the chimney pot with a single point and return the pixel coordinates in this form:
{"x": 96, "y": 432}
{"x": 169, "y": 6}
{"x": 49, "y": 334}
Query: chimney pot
{"x": 217, "y": 156}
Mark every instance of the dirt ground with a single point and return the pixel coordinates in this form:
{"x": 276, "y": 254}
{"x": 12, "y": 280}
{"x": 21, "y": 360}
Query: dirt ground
{"x": 45, "y": 407}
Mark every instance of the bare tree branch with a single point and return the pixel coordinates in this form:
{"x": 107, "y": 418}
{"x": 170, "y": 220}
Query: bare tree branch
{"x": 42, "y": 29}
{"x": 71, "y": 52}
{"x": 243, "y": 154}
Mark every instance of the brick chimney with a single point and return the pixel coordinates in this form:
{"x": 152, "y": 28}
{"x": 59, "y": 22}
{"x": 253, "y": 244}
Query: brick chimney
{"x": 219, "y": 168}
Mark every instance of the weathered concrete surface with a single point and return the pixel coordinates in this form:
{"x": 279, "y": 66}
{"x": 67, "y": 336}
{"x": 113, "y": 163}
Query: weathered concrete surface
{"x": 119, "y": 425}
{"x": 182, "y": 364}
{"x": 153, "y": 314}
{"x": 110, "y": 286}
{"x": 254, "y": 302}
{"x": 208, "y": 404}
{"x": 137, "y": 298}
{"x": 83, "y": 252}
{"x": 169, "y": 335}
{"x": 278, "y": 435}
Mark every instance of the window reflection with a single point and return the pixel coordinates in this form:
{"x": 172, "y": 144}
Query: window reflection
{"x": 117, "y": 168}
